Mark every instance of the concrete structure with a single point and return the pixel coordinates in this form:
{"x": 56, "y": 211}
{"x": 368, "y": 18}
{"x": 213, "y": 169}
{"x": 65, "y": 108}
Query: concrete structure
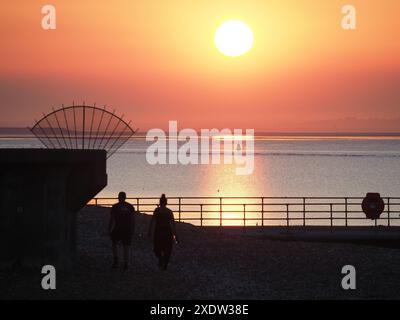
{"x": 41, "y": 191}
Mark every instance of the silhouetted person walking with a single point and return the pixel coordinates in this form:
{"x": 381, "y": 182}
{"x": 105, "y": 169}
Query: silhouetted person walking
{"x": 164, "y": 232}
{"x": 121, "y": 227}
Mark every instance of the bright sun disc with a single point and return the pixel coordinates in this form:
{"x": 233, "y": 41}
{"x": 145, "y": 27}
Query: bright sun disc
{"x": 233, "y": 38}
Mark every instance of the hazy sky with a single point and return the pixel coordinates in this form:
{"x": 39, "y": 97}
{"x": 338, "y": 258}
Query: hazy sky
{"x": 156, "y": 61}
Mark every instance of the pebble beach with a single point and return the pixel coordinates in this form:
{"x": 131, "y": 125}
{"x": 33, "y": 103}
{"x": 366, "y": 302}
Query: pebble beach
{"x": 208, "y": 264}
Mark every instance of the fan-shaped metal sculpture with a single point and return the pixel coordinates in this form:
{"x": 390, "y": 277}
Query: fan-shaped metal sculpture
{"x": 83, "y": 127}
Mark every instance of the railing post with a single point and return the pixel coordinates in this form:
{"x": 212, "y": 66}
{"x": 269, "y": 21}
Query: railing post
{"x": 137, "y": 204}
{"x": 331, "y": 205}
{"x": 304, "y": 212}
{"x": 179, "y": 209}
{"x": 220, "y": 212}
{"x": 287, "y": 216}
{"x": 83, "y": 125}
{"x": 244, "y": 217}
{"x": 95, "y": 202}
{"x": 201, "y": 215}
{"x": 262, "y": 212}
{"x": 388, "y": 211}
{"x": 345, "y": 210}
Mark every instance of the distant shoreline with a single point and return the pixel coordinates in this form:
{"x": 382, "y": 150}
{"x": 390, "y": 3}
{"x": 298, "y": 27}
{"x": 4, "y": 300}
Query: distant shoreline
{"x": 19, "y": 132}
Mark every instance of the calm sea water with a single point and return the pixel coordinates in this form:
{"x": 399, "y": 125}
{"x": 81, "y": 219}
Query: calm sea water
{"x": 283, "y": 166}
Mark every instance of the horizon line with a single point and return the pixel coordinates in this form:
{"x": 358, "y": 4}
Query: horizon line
{"x": 257, "y": 132}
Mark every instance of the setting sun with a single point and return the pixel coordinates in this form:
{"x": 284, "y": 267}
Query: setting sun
{"x": 233, "y": 38}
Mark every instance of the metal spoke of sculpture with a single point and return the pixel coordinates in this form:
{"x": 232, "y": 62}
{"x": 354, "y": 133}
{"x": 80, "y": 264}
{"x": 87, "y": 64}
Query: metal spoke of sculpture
{"x": 83, "y": 127}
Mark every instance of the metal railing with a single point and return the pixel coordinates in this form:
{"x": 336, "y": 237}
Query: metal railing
{"x": 267, "y": 211}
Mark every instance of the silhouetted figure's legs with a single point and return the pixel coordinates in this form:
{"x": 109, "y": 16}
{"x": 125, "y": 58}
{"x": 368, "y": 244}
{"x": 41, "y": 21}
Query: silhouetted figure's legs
{"x": 126, "y": 256}
{"x": 163, "y": 251}
{"x": 161, "y": 261}
{"x": 115, "y": 254}
{"x": 167, "y": 254}
{"x": 159, "y": 254}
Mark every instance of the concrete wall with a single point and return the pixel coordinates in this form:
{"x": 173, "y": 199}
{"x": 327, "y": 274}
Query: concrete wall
{"x": 40, "y": 193}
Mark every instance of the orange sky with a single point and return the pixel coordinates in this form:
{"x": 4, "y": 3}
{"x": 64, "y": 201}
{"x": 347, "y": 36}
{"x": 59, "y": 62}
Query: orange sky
{"x": 155, "y": 61}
